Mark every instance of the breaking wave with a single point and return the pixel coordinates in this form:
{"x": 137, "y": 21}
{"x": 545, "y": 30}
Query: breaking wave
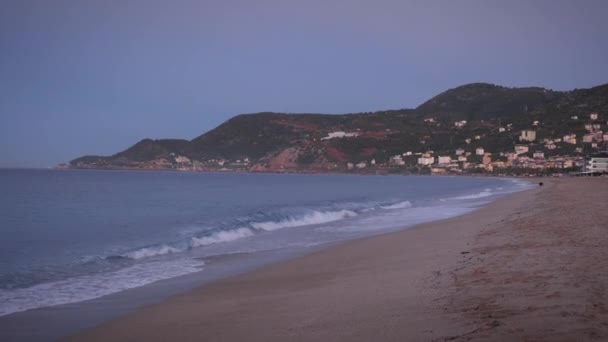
{"x": 261, "y": 222}
{"x": 152, "y": 251}
{"x": 222, "y": 236}
{"x": 474, "y": 196}
{"x": 92, "y": 286}
{"x": 316, "y": 217}
{"x": 400, "y": 205}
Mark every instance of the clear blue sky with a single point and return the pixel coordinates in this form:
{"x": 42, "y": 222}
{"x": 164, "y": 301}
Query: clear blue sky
{"x": 93, "y": 77}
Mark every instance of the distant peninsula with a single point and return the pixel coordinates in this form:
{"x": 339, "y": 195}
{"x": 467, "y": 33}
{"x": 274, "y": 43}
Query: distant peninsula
{"x": 474, "y": 128}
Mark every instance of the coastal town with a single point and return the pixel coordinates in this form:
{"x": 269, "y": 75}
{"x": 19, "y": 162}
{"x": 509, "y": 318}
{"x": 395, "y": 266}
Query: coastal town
{"x": 529, "y": 156}
{"x": 557, "y": 155}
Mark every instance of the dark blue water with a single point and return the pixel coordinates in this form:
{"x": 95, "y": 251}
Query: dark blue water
{"x": 69, "y": 236}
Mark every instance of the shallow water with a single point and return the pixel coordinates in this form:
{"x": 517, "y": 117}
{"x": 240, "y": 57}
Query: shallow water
{"x": 70, "y": 236}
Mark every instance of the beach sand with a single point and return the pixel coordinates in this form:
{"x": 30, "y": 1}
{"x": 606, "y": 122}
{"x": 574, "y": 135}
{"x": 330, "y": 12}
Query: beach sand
{"x": 528, "y": 267}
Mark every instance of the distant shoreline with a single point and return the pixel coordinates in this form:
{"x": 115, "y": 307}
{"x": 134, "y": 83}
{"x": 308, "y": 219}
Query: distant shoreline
{"x": 312, "y": 173}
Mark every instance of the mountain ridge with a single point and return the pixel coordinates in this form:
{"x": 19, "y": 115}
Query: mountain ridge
{"x": 270, "y": 141}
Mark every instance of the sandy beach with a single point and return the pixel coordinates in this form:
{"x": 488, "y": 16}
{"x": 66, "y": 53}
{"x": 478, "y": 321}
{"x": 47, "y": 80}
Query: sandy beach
{"x": 528, "y": 267}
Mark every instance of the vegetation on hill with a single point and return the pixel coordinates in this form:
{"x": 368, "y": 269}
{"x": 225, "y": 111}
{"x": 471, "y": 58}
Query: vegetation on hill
{"x": 495, "y": 116}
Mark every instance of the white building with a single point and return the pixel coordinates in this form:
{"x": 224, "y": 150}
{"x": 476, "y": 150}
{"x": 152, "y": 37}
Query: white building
{"x": 182, "y": 160}
{"x": 479, "y": 151}
{"x": 597, "y": 162}
{"x": 444, "y": 160}
{"x": 397, "y": 160}
{"x": 527, "y": 135}
{"x": 460, "y": 123}
{"x": 587, "y": 138}
{"x": 459, "y": 151}
{"x": 426, "y": 160}
{"x": 501, "y": 129}
{"x": 539, "y": 155}
{"x": 593, "y": 116}
{"x": 340, "y": 134}
{"x": 570, "y": 139}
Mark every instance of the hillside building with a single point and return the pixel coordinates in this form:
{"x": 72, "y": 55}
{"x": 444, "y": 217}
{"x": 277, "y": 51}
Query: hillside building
{"x": 426, "y": 160}
{"x": 444, "y": 160}
{"x": 539, "y": 155}
{"x": 597, "y": 162}
{"x": 460, "y": 124}
{"x": 340, "y": 134}
{"x": 570, "y": 139}
{"x": 527, "y": 135}
{"x": 397, "y": 160}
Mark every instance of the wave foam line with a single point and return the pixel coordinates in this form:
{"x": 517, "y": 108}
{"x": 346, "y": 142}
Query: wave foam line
{"x": 152, "y": 251}
{"x": 221, "y": 236}
{"x": 87, "y": 287}
{"x": 316, "y": 217}
{"x": 400, "y": 205}
{"x": 482, "y": 194}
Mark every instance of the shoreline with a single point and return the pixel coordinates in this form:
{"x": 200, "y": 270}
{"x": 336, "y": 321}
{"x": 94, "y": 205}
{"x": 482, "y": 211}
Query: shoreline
{"x": 62, "y": 320}
{"x": 295, "y": 291}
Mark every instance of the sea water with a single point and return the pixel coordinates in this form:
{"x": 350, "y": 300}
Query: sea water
{"x": 70, "y": 236}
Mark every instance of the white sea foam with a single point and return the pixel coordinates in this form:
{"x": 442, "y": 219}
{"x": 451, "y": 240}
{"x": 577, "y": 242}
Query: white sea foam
{"x": 152, "y": 251}
{"x": 400, "y": 205}
{"x": 93, "y": 286}
{"x": 316, "y": 217}
{"x": 221, "y": 236}
{"x": 398, "y": 219}
{"x": 482, "y": 194}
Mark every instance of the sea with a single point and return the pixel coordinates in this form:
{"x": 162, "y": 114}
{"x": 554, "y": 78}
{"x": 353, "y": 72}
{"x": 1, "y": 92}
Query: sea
{"x": 69, "y": 236}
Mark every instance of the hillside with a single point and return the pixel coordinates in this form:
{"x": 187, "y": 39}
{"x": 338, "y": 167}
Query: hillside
{"x": 494, "y": 115}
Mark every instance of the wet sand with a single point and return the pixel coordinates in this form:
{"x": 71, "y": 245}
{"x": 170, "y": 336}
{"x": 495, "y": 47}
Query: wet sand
{"x": 530, "y": 266}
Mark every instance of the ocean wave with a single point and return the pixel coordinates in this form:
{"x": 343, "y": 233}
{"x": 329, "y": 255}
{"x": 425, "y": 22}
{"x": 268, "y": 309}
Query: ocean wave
{"x": 87, "y": 287}
{"x": 152, "y": 251}
{"x": 250, "y": 227}
{"x": 316, "y": 217}
{"x": 221, "y": 236}
{"x": 400, "y": 205}
{"x": 482, "y": 194}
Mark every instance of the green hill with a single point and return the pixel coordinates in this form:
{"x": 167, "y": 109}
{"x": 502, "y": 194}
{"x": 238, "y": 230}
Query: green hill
{"x": 302, "y": 142}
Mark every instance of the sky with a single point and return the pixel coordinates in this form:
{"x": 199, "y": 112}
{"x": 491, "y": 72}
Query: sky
{"x": 94, "y": 77}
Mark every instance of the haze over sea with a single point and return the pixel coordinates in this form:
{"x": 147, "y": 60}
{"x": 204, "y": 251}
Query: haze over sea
{"x": 69, "y": 236}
